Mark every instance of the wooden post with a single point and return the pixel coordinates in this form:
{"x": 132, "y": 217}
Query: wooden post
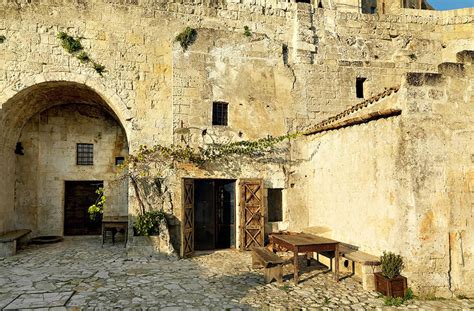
{"x": 295, "y": 260}
{"x": 419, "y": 4}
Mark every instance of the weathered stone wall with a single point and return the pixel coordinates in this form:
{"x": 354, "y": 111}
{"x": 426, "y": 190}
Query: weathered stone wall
{"x": 403, "y": 183}
{"x": 298, "y": 67}
{"x": 49, "y": 140}
{"x": 439, "y": 135}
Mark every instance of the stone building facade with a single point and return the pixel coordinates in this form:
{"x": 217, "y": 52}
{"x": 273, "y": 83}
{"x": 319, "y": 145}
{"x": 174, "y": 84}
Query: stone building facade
{"x": 395, "y": 173}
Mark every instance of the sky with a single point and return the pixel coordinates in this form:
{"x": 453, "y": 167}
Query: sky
{"x": 451, "y": 4}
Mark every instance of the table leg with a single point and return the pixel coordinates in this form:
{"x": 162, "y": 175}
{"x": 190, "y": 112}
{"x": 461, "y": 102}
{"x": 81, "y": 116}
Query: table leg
{"x": 295, "y": 252}
{"x": 126, "y": 236}
{"x": 309, "y": 255}
{"x": 336, "y": 263}
{"x": 103, "y": 235}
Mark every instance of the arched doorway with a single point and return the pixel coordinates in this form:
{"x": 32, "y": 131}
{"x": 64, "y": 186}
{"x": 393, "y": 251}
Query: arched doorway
{"x": 62, "y": 141}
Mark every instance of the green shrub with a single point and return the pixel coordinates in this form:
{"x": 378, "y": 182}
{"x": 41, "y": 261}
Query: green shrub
{"x": 2, "y": 38}
{"x": 392, "y": 265}
{"x": 247, "y": 31}
{"x": 148, "y": 223}
{"x": 187, "y": 37}
{"x": 70, "y": 44}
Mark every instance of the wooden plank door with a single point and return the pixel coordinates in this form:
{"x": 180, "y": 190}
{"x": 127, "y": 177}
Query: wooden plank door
{"x": 252, "y": 219}
{"x": 78, "y": 196}
{"x": 187, "y": 234}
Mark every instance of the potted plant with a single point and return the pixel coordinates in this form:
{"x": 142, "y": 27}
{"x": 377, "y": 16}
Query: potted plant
{"x": 389, "y": 282}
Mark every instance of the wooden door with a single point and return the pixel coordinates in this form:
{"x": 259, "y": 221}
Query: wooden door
{"x": 78, "y": 196}
{"x": 187, "y": 234}
{"x": 252, "y": 219}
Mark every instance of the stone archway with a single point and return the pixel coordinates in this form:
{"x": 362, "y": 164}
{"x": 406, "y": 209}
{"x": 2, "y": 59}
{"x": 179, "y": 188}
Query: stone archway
{"x": 52, "y": 118}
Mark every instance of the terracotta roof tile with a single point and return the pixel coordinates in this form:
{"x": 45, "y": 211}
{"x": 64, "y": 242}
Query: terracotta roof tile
{"x": 347, "y": 112}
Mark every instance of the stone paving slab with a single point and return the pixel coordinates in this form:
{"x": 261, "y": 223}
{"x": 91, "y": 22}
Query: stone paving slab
{"x": 40, "y": 300}
{"x": 105, "y": 278}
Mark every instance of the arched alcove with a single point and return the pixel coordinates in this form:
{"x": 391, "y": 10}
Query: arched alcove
{"x": 43, "y": 130}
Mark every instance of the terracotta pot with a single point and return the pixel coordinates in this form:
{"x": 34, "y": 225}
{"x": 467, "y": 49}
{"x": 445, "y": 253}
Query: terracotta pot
{"x": 396, "y": 287}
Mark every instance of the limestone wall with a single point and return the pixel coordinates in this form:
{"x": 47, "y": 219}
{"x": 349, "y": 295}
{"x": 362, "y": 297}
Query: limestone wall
{"x": 298, "y": 67}
{"x": 402, "y": 183}
{"x": 439, "y": 164}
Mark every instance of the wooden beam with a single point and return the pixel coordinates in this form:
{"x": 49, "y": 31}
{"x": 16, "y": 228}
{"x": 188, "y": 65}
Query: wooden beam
{"x": 384, "y": 114}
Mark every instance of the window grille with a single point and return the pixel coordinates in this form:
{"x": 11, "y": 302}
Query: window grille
{"x": 85, "y": 154}
{"x": 219, "y": 113}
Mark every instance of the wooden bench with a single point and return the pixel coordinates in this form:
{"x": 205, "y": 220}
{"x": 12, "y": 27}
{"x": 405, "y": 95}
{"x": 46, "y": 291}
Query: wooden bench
{"x": 9, "y": 241}
{"x": 272, "y": 263}
{"x": 369, "y": 263}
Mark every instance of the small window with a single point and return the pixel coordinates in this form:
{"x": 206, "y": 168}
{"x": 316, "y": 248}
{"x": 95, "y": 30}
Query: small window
{"x": 85, "y": 154}
{"x": 119, "y": 160}
{"x": 360, "y": 87}
{"x": 219, "y": 113}
{"x": 275, "y": 210}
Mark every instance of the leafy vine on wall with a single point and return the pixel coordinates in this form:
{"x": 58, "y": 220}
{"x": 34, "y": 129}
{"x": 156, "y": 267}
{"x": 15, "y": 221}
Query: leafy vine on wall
{"x": 169, "y": 161}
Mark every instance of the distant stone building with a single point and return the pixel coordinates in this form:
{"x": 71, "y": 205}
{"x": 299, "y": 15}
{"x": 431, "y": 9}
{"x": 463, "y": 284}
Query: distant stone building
{"x": 383, "y": 92}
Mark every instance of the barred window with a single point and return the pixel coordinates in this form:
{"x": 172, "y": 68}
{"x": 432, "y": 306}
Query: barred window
{"x": 85, "y": 154}
{"x": 219, "y": 113}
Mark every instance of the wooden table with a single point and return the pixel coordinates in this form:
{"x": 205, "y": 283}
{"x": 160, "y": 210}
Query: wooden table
{"x": 114, "y": 224}
{"x": 307, "y": 243}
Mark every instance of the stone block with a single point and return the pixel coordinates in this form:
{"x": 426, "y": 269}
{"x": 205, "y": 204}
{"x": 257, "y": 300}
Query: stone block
{"x": 7, "y": 249}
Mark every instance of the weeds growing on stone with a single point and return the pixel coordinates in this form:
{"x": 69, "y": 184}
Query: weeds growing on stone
{"x": 83, "y": 57}
{"x": 398, "y": 301}
{"x": 70, "y": 44}
{"x": 74, "y": 47}
{"x": 247, "y": 31}
{"x": 285, "y": 287}
{"x": 187, "y": 37}
{"x": 100, "y": 69}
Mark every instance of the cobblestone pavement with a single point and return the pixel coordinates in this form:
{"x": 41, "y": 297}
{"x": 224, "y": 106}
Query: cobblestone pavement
{"x": 79, "y": 273}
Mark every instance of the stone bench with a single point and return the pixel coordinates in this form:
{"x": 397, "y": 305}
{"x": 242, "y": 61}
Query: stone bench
{"x": 369, "y": 263}
{"x": 272, "y": 263}
{"x": 9, "y": 241}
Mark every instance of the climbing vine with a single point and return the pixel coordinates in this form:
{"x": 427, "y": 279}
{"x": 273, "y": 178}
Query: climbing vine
{"x": 74, "y": 47}
{"x": 168, "y": 161}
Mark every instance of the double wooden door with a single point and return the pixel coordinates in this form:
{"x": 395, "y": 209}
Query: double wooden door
{"x": 251, "y": 212}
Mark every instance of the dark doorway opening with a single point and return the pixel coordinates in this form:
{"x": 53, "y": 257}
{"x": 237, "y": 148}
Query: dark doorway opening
{"x": 79, "y": 195}
{"x": 214, "y": 214}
